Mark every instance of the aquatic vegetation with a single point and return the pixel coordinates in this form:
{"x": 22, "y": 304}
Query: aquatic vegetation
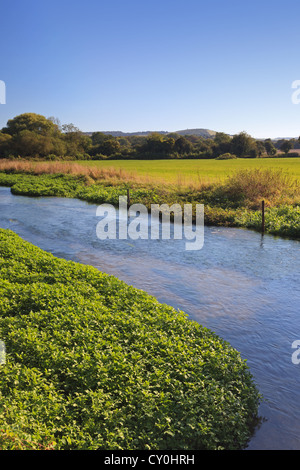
{"x": 234, "y": 202}
{"x": 93, "y": 363}
{"x": 282, "y": 220}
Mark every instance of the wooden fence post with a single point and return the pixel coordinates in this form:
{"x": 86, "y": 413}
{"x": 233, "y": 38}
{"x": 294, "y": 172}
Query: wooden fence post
{"x": 128, "y": 198}
{"x": 263, "y": 217}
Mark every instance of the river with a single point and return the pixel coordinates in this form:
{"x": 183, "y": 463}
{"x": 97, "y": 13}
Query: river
{"x": 241, "y": 285}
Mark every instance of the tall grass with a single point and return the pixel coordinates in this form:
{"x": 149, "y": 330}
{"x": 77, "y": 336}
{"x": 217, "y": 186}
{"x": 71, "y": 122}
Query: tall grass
{"x": 92, "y": 173}
{"x": 249, "y": 187}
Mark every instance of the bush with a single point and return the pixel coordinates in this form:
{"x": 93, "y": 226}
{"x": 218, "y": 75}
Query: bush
{"x": 226, "y": 156}
{"x": 249, "y": 187}
{"x": 93, "y": 363}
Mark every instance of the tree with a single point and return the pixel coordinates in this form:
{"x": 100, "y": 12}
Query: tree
{"x": 33, "y": 135}
{"x": 221, "y": 144}
{"x": 104, "y": 144}
{"x": 269, "y": 146}
{"x": 168, "y": 145}
{"x": 76, "y": 143}
{"x": 99, "y": 137}
{"x": 5, "y": 143}
{"x": 241, "y": 144}
{"x": 173, "y": 135}
{"x": 182, "y": 145}
{"x": 31, "y": 122}
{"x": 30, "y": 144}
{"x": 286, "y": 146}
{"x": 109, "y": 147}
{"x": 56, "y": 121}
{"x": 253, "y": 152}
{"x": 260, "y": 148}
{"x": 221, "y": 138}
{"x": 69, "y": 128}
{"x": 154, "y": 145}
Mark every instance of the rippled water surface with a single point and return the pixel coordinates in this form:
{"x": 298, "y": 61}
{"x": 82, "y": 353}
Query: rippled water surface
{"x": 240, "y": 285}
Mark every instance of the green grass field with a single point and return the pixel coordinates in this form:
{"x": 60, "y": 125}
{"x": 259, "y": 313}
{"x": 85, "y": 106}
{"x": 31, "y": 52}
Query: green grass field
{"x": 185, "y": 171}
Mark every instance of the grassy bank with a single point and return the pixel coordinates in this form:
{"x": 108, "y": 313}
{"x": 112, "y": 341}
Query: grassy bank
{"x": 235, "y": 201}
{"x": 93, "y": 363}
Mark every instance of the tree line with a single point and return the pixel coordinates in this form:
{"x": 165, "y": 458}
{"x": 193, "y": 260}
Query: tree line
{"x": 32, "y": 135}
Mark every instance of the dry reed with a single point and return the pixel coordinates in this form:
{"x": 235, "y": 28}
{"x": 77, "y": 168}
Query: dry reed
{"x": 110, "y": 174}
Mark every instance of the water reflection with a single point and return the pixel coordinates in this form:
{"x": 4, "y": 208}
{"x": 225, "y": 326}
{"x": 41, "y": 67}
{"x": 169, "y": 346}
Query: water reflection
{"x": 243, "y": 286}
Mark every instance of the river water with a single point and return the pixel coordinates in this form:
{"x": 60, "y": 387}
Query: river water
{"x": 241, "y": 285}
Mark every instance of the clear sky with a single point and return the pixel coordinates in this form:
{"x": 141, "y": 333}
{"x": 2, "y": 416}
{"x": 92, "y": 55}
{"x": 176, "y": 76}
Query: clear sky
{"x": 138, "y": 65}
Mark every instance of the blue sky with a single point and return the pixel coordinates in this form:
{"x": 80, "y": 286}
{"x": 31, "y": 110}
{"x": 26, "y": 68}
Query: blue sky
{"x": 225, "y": 65}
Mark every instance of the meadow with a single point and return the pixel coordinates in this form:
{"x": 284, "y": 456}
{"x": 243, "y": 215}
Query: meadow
{"x": 194, "y": 172}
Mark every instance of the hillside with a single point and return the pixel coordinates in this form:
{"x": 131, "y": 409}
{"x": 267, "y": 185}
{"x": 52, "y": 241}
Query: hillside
{"x": 206, "y": 133}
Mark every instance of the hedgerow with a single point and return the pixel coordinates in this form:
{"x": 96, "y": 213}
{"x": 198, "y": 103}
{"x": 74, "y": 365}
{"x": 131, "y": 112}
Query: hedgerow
{"x": 92, "y": 363}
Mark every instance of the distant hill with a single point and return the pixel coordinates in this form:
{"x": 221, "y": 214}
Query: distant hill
{"x": 206, "y": 133}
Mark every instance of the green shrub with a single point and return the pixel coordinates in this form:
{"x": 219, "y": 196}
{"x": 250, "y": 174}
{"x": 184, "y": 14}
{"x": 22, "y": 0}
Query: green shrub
{"x": 226, "y": 156}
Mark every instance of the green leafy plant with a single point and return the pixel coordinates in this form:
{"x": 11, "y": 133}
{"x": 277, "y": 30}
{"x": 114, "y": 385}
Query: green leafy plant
{"x": 93, "y": 363}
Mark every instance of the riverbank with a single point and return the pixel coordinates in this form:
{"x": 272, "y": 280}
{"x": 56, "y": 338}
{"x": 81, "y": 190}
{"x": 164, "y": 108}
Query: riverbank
{"x": 234, "y": 202}
{"x": 93, "y": 363}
